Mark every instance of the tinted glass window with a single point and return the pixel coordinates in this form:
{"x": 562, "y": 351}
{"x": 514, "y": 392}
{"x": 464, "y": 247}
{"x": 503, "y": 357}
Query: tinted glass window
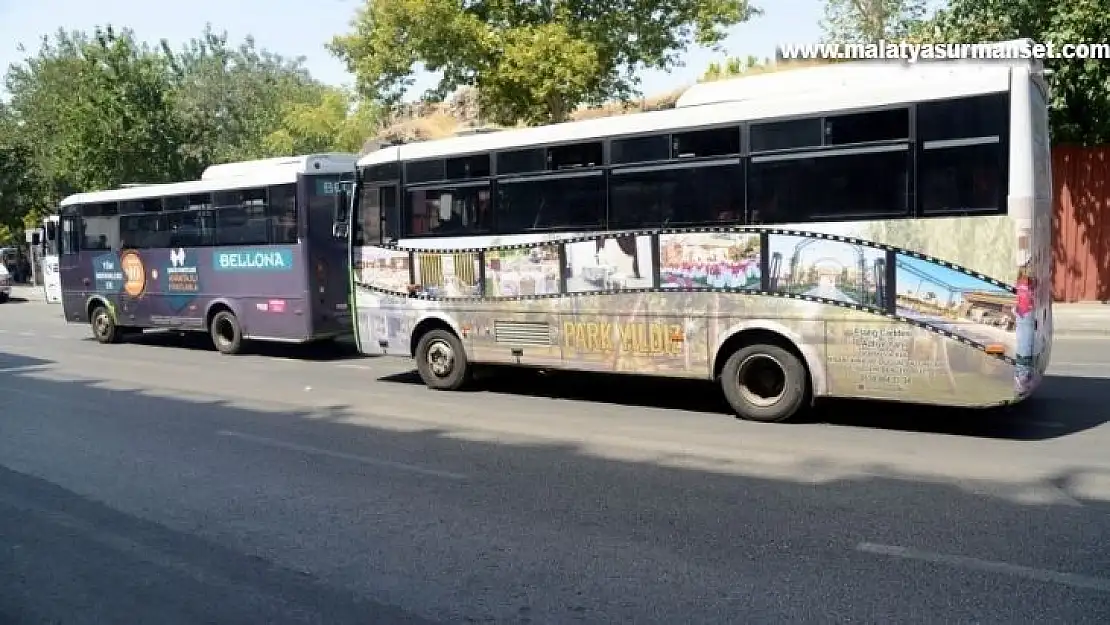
{"x": 962, "y": 179}
{"x": 99, "y": 210}
{"x": 282, "y": 213}
{"x": 672, "y": 197}
{"x": 980, "y": 116}
{"x": 640, "y": 149}
{"x": 385, "y": 171}
{"x": 575, "y": 155}
{"x": 100, "y": 233}
{"x": 797, "y": 133}
{"x": 194, "y": 228}
{"x": 424, "y": 171}
{"x": 144, "y": 231}
{"x": 468, "y": 167}
{"x": 810, "y": 188}
{"x": 700, "y": 143}
{"x": 449, "y": 210}
{"x": 245, "y": 222}
{"x": 149, "y": 205}
{"x": 521, "y": 161}
{"x": 175, "y": 203}
{"x": 867, "y": 127}
{"x": 368, "y": 229}
{"x": 391, "y": 215}
{"x": 70, "y": 242}
{"x": 551, "y": 204}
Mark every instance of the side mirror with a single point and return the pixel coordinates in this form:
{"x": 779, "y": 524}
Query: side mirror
{"x": 34, "y": 237}
{"x": 51, "y": 231}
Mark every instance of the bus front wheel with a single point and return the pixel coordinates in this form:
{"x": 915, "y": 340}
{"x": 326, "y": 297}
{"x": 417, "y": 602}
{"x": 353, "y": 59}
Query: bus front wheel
{"x": 764, "y": 383}
{"x": 104, "y": 328}
{"x": 226, "y": 333}
{"x": 441, "y": 361}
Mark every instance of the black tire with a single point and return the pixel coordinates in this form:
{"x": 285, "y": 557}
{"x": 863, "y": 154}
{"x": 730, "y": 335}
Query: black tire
{"x": 441, "y": 361}
{"x": 765, "y": 383}
{"x": 104, "y": 327}
{"x": 226, "y": 334}
{"x": 3, "y": 298}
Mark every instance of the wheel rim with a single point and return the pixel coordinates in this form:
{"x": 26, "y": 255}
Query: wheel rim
{"x": 225, "y": 331}
{"x": 762, "y": 380}
{"x": 440, "y": 358}
{"x": 101, "y": 324}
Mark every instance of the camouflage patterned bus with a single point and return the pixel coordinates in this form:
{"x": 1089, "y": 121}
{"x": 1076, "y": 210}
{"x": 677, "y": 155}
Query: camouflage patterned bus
{"x": 245, "y": 253}
{"x": 864, "y": 230}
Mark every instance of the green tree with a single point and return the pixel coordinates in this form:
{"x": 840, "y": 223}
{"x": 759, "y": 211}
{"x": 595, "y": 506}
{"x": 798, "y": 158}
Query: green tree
{"x": 232, "y": 98}
{"x": 98, "y": 112}
{"x": 868, "y": 21}
{"x": 20, "y": 185}
{"x": 334, "y": 121}
{"x": 1080, "y": 87}
{"x": 531, "y": 61}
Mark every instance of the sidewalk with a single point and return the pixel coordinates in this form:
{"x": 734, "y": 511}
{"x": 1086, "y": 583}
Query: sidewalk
{"x": 1068, "y": 319}
{"x": 29, "y": 293}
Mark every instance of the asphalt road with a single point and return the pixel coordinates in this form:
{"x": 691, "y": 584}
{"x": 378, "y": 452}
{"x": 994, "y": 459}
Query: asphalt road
{"x": 163, "y": 483}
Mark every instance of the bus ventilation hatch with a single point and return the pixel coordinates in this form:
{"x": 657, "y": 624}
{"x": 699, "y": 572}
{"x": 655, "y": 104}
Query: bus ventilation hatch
{"x": 522, "y": 332}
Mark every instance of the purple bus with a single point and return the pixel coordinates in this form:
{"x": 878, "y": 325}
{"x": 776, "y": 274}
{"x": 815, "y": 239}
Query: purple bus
{"x": 248, "y": 252}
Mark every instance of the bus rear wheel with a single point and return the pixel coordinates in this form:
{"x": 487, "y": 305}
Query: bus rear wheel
{"x": 226, "y": 333}
{"x": 441, "y": 361}
{"x": 104, "y": 328}
{"x": 765, "y": 383}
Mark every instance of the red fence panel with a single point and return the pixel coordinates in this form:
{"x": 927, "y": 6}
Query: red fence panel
{"x": 1081, "y": 223}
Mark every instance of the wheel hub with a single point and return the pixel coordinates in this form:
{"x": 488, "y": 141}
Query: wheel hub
{"x": 762, "y": 380}
{"x": 441, "y": 358}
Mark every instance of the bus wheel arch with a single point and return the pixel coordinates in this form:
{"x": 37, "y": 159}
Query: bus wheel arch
{"x": 224, "y": 327}
{"x": 764, "y": 375}
{"x": 440, "y": 355}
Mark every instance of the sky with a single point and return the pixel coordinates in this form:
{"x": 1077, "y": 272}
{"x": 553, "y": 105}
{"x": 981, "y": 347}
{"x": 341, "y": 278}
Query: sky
{"x": 295, "y": 28}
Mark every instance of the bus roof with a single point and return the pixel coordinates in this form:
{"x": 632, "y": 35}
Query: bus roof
{"x": 329, "y": 162}
{"x": 229, "y": 176}
{"x": 797, "y": 92}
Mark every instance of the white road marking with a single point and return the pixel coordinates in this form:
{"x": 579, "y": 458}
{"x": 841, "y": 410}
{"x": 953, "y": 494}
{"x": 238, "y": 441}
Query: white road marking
{"x": 1074, "y": 580}
{"x": 351, "y": 366}
{"x": 22, "y": 368}
{"x": 401, "y": 466}
{"x": 26, "y": 334}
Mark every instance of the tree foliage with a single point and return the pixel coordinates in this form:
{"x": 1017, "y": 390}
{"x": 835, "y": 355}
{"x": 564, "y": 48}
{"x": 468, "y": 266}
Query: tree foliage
{"x": 93, "y": 111}
{"x": 232, "y": 97}
{"x": 531, "y": 61}
{"x": 868, "y": 21}
{"x": 1080, "y": 87}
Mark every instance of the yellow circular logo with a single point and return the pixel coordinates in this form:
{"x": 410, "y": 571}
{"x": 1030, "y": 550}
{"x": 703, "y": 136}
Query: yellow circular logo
{"x": 134, "y": 273}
